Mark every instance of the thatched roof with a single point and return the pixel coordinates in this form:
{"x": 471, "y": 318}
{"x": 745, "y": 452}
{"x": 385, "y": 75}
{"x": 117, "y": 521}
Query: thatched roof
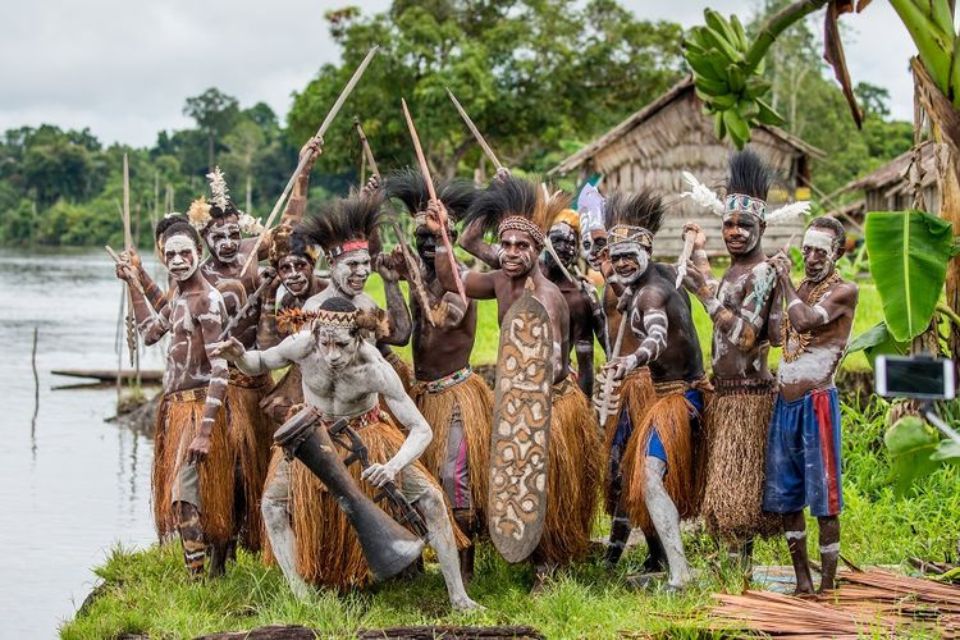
{"x": 892, "y": 177}
{"x": 636, "y": 119}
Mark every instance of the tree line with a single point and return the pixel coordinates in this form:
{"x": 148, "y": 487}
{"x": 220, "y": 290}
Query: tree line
{"x": 540, "y": 79}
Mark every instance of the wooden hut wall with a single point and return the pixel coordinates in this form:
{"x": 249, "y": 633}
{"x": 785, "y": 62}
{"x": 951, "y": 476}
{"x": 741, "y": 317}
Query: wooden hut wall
{"x": 679, "y": 138}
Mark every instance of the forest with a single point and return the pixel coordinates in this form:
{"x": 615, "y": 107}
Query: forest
{"x": 540, "y": 82}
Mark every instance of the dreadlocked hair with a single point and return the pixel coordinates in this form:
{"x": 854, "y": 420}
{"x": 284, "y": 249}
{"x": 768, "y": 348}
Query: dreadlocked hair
{"x": 409, "y": 186}
{"x": 749, "y": 175}
{"x": 639, "y": 209}
{"x": 342, "y": 220}
{"x": 516, "y": 198}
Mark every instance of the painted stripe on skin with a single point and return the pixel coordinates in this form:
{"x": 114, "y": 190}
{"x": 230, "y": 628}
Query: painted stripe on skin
{"x": 796, "y": 535}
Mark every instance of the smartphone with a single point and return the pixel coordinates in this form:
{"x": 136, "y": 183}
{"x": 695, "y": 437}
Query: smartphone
{"x": 915, "y": 377}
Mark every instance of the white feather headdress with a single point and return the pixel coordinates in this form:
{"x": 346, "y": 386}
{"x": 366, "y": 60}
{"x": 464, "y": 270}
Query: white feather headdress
{"x": 219, "y": 192}
{"x": 708, "y": 199}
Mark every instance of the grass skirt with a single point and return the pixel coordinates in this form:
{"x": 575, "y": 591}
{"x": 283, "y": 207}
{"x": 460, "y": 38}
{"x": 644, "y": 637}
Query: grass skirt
{"x": 178, "y": 422}
{"x": 328, "y": 551}
{"x": 251, "y": 436}
{"x": 475, "y": 400}
{"x": 573, "y": 476}
{"x": 636, "y": 395}
{"x": 669, "y": 416}
{"x": 736, "y": 438}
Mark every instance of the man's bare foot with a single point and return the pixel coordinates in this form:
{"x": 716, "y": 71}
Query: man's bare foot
{"x": 466, "y": 604}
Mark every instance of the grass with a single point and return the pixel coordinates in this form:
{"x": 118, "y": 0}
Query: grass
{"x": 147, "y": 592}
{"x": 869, "y": 313}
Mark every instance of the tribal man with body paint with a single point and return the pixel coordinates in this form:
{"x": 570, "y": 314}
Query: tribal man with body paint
{"x": 521, "y": 213}
{"x": 345, "y": 376}
{"x": 658, "y": 463}
{"x": 455, "y": 401}
{"x": 193, "y": 468}
{"x": 803, "y": 444}
{"x": 586, "y": 317}
{"x": 741, "y": 306}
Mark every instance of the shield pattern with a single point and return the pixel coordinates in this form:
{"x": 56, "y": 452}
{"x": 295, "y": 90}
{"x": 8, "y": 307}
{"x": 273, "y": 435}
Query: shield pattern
{"x": 517, "y": 502}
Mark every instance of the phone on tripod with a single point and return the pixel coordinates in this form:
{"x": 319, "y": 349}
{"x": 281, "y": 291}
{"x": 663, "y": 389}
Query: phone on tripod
{"x": 919, "y": 377}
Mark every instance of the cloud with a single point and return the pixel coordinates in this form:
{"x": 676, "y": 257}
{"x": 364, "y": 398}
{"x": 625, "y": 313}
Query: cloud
{"x": 124, "y": 69}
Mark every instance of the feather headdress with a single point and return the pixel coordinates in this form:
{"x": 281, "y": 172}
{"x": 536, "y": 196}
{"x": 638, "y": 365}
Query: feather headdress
{"x": 590, "y": 204}
{"x": 518, "y": 204}
{"x": 747, "y": 188}
{"x": 344, "y": 224}
{"x": 633, "y": 218}
{"x": 199, "y": 214}
{"x": 409, "y": 187}
{"x": 219, "y": 192}
{"x": 287, "y": 241}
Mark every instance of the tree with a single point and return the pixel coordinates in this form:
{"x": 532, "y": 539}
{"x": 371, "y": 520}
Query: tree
{"x": 215, "y": 113}
{"x": 530, "y": 74}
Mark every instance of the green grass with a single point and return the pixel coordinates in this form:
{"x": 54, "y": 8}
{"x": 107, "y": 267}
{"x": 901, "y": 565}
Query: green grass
{"x": 147, "y": 592}
{"x": 869, "y": 313}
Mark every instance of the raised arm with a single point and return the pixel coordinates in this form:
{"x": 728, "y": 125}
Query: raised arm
{"x": 401, "y": 326}
{"x": 700, "y": 260}
{"x": 151, "y": 326}
{"x": 254, "y": 362}
{"x": 267, "y": 333}
{"x": 419, "y": 433}
{"x": 297, "y": 204}
{"x": 472, "y": 241}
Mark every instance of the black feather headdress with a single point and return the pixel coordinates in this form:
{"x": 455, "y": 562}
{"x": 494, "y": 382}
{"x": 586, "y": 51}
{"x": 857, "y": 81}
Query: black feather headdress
{"x": 287, "y": 241}
{"x": 515, "y": 203}
{"x": 344, "y": 224}
{"x": 749, "y": 175}
{"x": 633, "y": 218}
{"x": 409, "y": 187}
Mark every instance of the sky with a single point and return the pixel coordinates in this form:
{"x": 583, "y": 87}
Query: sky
{"x": 124, "y": 68}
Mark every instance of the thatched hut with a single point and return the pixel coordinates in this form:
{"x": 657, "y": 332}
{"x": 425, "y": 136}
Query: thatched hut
{"x": 891, "y": 187}
{"x": 672, "y": 134}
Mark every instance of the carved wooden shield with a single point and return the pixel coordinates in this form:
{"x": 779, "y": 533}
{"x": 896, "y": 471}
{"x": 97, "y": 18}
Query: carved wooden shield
{"x": 517, "y": 502}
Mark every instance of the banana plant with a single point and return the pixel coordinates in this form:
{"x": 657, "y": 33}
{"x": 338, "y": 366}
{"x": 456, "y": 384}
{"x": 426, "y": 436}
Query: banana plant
{"x": 728, "y": 68}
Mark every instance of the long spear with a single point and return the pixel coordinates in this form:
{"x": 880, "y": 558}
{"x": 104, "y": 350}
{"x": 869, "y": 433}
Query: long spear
{"x": 496, "y": 163}
{"x": 367, "y": 151}
{"x": 617, "y": 345}
{"x": 347, "y": 90}
{"x": 128, "y": 245}
{"x": 425, "y": 172}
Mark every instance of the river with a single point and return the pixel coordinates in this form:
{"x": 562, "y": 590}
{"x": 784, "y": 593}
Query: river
{"x": 73, "y": 486}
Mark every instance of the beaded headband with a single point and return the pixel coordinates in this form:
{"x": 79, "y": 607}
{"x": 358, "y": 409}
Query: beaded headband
{"x": 519, "y": 223}
{"x": 338, "y": 319}
{"x": 629, "y": 234}
{"x": 739, "y": 203}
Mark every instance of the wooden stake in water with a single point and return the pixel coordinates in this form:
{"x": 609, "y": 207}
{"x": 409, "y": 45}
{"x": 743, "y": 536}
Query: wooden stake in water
{"x": 36, "y": 390}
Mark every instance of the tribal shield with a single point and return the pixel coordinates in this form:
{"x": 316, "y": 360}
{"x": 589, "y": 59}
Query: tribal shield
{"x": 517, "y": 502}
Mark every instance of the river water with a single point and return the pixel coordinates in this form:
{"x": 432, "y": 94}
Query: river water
{"x": 73, "y": 486}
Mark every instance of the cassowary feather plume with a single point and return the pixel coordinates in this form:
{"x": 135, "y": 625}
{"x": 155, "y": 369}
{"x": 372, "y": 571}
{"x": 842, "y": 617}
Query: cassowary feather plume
{"x": 343, "y": 220}
{"x": 516, "y": 197}
{"x": 408, "y": 186}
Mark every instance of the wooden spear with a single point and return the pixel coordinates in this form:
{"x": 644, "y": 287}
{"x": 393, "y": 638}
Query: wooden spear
{"x": 617, "y": 345}
{"x": 496, "y": 163}
{"x": 367, "y": 152}
{"x": 128, "y": 246}
{"x": 425, "y": 172}
{"x": 347, "y": 90}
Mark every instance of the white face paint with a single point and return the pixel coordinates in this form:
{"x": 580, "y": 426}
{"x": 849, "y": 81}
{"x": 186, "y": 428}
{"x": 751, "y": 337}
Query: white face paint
{"x": 337, "y": 346}
{"x": 629, "y": 263}
{"x": 818, "y": 254}
{"x": 350, "y": 271}
{"x": 180, "y": 256}
{"x": 819, "y": 240}
{"x": 223, "y": 240}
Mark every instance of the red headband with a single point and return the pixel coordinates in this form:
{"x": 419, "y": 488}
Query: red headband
{"x": 350, "y": 245}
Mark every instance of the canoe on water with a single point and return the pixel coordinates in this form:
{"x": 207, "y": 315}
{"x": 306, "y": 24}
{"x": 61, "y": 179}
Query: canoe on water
{"x": 107, "y": 375}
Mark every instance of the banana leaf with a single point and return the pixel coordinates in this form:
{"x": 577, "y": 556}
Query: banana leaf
{"x": 909, "y": 252}
{"x": 910, "y": 443}
{"x": 876, "y": 341}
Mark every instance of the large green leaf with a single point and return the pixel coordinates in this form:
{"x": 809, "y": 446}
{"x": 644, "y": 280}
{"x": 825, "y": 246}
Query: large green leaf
{"x": 908, "y": 251}
{"x": 911, "y": 442}
{"x": 876, "y": 341}
{"x": 947, "y": 451}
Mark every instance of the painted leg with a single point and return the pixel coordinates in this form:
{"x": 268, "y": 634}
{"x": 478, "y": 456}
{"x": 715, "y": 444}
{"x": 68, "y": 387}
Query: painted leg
{"x": 666, "y": 520}
{"x": 619, "y": 534}
{"x": 467, "y": 521}
{"x": 276, "y": 517}
{"x": 796, "y": 532}
{"x": 742, "y": 554}
{"x": 219, "y": 552}
{"x": 442, "y": 542}
{"x": 191, "y": 537}
{"x": 829, "y": 551}
{"x": 656, "y": 555}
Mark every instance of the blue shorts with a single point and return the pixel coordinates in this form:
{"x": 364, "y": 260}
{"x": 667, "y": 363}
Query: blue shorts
{"x": 803, "y": 455}
{"x": 655, "y": 444}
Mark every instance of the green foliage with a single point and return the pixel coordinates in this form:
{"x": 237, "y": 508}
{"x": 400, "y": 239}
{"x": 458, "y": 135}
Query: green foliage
{"x": 909, "y": 252}
{"x": 910, "y": 442}
{"x": 876, "y": 341}
{"x": 532, "y": 75}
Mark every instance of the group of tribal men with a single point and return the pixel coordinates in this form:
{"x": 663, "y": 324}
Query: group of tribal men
{"x": 660, "y": 442}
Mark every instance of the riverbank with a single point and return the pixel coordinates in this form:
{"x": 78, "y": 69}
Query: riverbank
{"x": 148, "y": 593}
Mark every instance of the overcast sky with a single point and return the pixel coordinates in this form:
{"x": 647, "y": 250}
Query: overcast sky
{"x": 125, "y": 68}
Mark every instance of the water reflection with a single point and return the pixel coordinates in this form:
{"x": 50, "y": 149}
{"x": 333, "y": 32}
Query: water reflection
{"x": 71, "y": 485}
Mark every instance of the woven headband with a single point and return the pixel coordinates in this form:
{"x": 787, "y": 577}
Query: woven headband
{"x": 629, "y": 234}
{"x": 519, "y": 223}
{"x": 336, "y": 318}
{"x": 740, "y": 203}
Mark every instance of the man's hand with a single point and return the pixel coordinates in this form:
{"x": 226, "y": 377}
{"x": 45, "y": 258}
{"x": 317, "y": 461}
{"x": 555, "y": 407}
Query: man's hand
{"x": 387, "y": 266}
{"x": 130, "y": 256}
{"x": 694, "y": 280}
{"x": 398, "y": 263}
{"x": 620, "y": 367}
{"x": 502, "y": 174}
{"x": 379, "y": 474}
{"x": 314, "y": 147}
{"x": 782, "y": 263}
{"x": 699, "y": 240}
{"x": 231, "y": 349}
{"x": 436, "y": 214}
{"x": 372, "y": 186}
{"x": 126, "y": 271}
{"x": 199, "y": 449}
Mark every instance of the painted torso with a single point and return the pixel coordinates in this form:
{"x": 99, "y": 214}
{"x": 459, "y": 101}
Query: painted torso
{"x": 745, "y": 285}
{"x": 440, "y": 350}
{"x": 236, "y": 287}
{"x": 187, "y": 364}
